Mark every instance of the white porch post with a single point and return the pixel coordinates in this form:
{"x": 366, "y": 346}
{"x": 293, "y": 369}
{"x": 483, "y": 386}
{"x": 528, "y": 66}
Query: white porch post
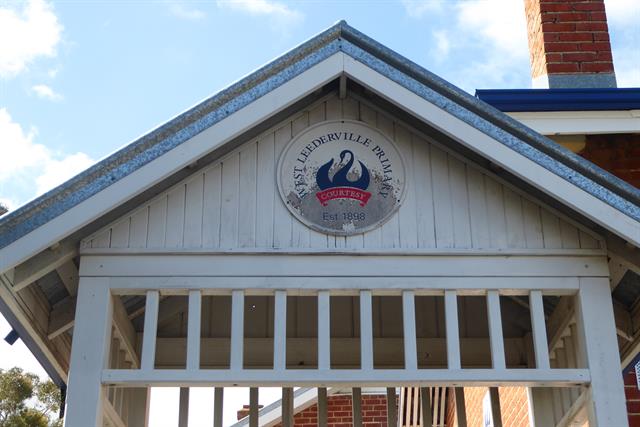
{"x": 597, "y": 331}
{"x": 89, "y": 353}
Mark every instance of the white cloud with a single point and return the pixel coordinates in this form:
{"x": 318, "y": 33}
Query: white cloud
{"x": 53, "y": 72}
{"x": 18, "y": 150}
{"x": 500, "y": 22}
{"x": 417, "y": 8}
{"x": 277, "y": 11}
{"x": 623, "y": 11}
{"x": 45, "y": 92}
{"x": 55, "y": 172}
{"x": 443, "y": 43}
{"x": 626, "y": 60}
{"x": 476, "y": 43}
{"x": 27, "y": 165}
{"x": 623, "y": 17}
{"x": 182, "y": 11}
{"x": 26, "y": 33}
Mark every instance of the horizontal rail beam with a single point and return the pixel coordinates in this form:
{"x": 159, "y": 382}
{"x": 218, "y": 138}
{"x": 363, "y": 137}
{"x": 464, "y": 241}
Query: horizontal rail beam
{"x": 346, "y": 377}
{"x": 341, "y": 285}
{"x": 345, "y": 265}
{"x": 344, "y": 251}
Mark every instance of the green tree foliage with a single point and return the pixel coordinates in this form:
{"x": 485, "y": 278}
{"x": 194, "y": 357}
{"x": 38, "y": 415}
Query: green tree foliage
{"x": 25, "y": 401}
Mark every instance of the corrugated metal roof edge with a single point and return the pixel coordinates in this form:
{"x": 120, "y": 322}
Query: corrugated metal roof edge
{"x": 217, "y": 107}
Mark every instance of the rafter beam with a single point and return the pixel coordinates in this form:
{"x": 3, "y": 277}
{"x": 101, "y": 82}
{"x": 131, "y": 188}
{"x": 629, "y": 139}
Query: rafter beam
{"x": 34, "y": 338}
{"x": 125, "y": 332}
{"x": 42, "y": 264}
{"x": 622, "y": 317}
{"x": 68, "y": 273}
{"x": 61, "y": 317}
{"x": 617, "y": 270}
{"x": 626, "y": 255}
{"x": 563, "y": 315}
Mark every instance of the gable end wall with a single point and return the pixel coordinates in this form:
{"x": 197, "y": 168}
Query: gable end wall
{"x": 451, "y": 203}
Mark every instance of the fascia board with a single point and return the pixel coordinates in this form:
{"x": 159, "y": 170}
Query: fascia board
{"x": 580, "y": 122}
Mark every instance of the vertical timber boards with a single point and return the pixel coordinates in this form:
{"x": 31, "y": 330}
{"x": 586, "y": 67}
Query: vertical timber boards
{"x": 235, "y": 203}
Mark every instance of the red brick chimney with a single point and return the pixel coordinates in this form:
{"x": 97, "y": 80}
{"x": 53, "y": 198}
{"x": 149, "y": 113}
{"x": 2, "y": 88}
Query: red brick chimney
{"x": 569, "y": 44}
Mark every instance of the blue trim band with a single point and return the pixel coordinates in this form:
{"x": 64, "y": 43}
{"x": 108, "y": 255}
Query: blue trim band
{"x": 517, "y": 100}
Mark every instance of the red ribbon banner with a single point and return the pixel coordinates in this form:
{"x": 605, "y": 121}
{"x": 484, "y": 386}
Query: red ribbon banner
{"x": 343, "y": 193}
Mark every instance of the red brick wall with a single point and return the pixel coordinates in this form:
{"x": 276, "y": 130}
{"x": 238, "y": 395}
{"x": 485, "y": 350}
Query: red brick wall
{"x": 618, "y": 154}
{"x": 514, "y": 406}
{"x": 633, "y": 398}
{"x": 568, "y": 36}
{"x": 339, "y": 413}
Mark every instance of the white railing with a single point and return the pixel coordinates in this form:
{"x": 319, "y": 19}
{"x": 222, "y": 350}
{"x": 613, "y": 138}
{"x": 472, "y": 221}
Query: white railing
{"x": 410, "y": 375}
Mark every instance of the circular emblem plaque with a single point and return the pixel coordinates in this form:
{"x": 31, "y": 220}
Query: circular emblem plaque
{"x": 341, "y": 177}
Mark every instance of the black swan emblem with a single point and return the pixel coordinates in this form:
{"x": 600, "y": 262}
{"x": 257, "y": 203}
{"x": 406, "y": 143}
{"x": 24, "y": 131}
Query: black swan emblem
{"x": 340, "y": 178}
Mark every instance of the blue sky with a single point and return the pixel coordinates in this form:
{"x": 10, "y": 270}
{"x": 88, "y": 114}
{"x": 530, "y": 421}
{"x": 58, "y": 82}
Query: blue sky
{"x": 80, "y": 79}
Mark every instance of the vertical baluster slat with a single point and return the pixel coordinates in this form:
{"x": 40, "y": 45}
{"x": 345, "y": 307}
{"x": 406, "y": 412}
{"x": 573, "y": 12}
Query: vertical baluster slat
{"x": 366, "y": 331}
{"x": 539, "y": 329}
{"x": 218, "y": 403}
{"x": 495, "y": 330}
{"x": 324, "y": 331}
{"x": 451, "y": 325}
{"x": 322, "y": 407}
{"x": 287, "y": 407}
{"x": 193, "y": 331}
{"x": 237, "y": 329}
{"x": 409, "y": 326}
{"x": 253, "y": 407}
{"x": 425, "y": 407}
{"x": 356, "y": 405}
{"x": 183, "y": 410}
{"x": 150, "y": 330}
{"x": 280, "y": 331}
{"x": 392, "y": 407}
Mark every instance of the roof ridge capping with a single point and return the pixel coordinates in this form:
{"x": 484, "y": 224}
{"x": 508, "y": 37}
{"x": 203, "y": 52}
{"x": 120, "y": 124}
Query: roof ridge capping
{"x": 339, "y": 37}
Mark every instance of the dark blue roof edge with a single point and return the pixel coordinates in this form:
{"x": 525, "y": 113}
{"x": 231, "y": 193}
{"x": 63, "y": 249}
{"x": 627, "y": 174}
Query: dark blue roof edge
{"x": 610, "y": 189}
{"x": 535, "y": 100}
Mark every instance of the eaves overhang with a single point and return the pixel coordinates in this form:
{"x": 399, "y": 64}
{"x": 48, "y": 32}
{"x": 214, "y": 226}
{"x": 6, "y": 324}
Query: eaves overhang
{"x": 339, "y": 38}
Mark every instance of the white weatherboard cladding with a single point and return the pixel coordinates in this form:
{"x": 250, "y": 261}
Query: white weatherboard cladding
{"x": 450, "y": 203}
